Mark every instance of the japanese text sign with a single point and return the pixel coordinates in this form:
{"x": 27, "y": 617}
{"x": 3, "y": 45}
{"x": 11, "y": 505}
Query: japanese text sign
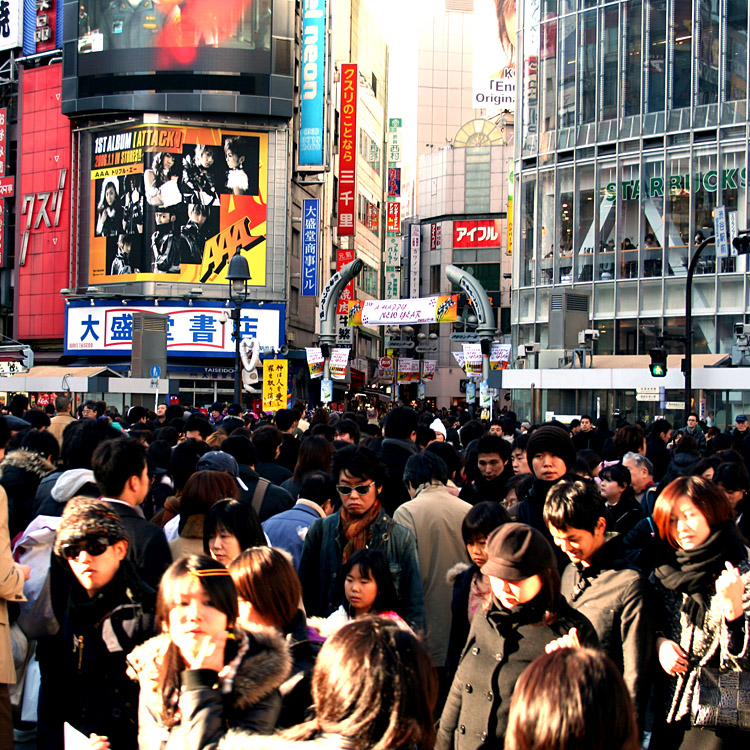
{"x": 480, "y": 233}
{"x": 443, "y": 309}
{"x": 343, "y": 258}
{"x": 275, "y": 384}
{"x": 310, "y": 244}
{"x": 394, "y": 182}
{"x": 312, "y": 85}
{"x": 338, "y": 363}
{"x": 394, "y": 217}
{"x": 3, "y": 138}
{"x": 315, "y": 361}
{"x": 347, "y": 197}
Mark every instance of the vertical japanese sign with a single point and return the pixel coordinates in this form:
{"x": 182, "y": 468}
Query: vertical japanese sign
{"x": 511, "y": 174}
{"x": 347, "y": 197}
{"x": 275, "y": 388}
{"x": 310, "y": 242}
{"x": 312, "y": 86}
{"x": 11, "y": 24}
{"x": 343, "y": 257}
{"x": 394, "y": 217}
{"x": 394, "y": 182}
{"x": 436, "y": 236}
{"x": 416, "y": 232}
{"x": 3, "y": 141}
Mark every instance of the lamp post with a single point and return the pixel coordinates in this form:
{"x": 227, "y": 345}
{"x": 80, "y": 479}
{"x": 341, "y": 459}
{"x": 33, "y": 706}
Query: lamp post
{"x": 238, "y": 274}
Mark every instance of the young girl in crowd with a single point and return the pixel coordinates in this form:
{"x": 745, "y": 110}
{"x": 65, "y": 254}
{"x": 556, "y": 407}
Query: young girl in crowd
{"x": 269, "y": 594}
{"x": 204, "y": 674}
{"x": 229, "y": 528}
{"x": 471, "y": 589}
{"x": 368, "y": 589}
{"x": 618, "y": 494}
{"x": 703, "y": 578}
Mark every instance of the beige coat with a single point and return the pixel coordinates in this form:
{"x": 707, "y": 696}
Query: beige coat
{"x": 11, "y": 590}
{"x": 58, "y": 424}
{"x": 434, "y": 516}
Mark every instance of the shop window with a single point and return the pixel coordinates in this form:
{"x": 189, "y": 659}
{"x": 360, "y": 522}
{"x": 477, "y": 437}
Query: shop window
{"x": 567, "y": 77}
{"x": 587, "y": 54}
{"x": 628, "y": 232}
{"x": 608, "y": 197}
{"x": 564, "y": 228}
{"x": 547, "y": 227}
{"x": 527, "y": 235}
{"x": 678, "y": 214}
{"x": 735, "y": 77}
{"x": 585, "y": 227}
{"x": 652, "y": 206}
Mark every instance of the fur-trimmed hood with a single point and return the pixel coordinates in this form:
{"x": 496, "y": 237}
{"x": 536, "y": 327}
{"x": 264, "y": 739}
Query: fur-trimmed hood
{"x": 262, "y": 670}
{"x": 23, "y": 460}
{"x": 455, "y": 571}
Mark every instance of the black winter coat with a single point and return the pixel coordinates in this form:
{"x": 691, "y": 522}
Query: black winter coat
{"x": 501, "y": 645}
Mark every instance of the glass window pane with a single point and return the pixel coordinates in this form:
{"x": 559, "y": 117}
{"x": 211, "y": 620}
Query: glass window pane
{"x": 733, "y": 195}
{"x": 655, "y": 42}
{"x": 528, "y": 212}
{"x": 585, "y": 229}
{"x": 564, "y": 231}
{"x": 587, "y": 68}
{"x": 567, "y": 58}
{"x": 735, "y": 86}
{"x": 705, "y": 188}
{"x": 529, "y": 84}
{"x": 606, "y": 239}
{"x": 547, "y": 226}
{"x": 681, "y": 39}
{"x": 708, "y": 52}
{"x": 608, "y": 80}
{"x": 629, "y": 191}
{"x": 678, "y": 215}
{"x": 652, "y": 202}
{"x": 631, "y": 21}
{"x": 548, "y": 83}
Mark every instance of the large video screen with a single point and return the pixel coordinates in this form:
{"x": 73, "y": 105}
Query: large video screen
{"x": 176, "y": 29}
{"x": 176, "y": 203}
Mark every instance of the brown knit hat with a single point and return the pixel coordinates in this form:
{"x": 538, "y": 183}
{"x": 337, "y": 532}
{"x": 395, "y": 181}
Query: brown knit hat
{"x": 84, "y": 517}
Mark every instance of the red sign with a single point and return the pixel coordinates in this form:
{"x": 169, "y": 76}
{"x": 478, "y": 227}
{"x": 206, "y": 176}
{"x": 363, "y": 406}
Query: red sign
{"x": 436, "y": 236}
{"x": 480, "y": 233}
{"x": 394, "y": 182}
{"x": 342, "y": 258}
{"x": 6, "y": 186}
{"x": 2, "y": 232}
{"x": 347, "y": 197}
{"x": 385, "y": 363}
{"x": 394, "y": 217}
{"x": 373, "y": 217}
{"x": 3, "y": 137}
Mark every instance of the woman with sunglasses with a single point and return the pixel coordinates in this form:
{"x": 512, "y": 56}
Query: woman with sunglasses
{"x": 204, "y": 674}
{"x": 109, "y": 611}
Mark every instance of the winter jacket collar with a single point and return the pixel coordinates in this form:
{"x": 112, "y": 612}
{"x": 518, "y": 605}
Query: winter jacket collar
{"x": 27, "y": 461}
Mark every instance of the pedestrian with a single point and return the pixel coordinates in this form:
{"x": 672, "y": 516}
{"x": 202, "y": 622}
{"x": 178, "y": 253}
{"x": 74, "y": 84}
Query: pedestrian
{"x": 618, "y": 494}
{"x": 571, "y": 698}
{"x": 229, "y": 528}
{"x": 314, "y": 455}
{"x": 525, "y": 613}
{"x": 703, "y": 580}
{"x": 372, "y": 688}
{"x": 204, "y": 675}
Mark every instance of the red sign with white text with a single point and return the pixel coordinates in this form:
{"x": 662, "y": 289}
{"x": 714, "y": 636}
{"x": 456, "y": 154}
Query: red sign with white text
{"x": 343, "y": 257}
{"x": 3, "y": 137}
{"x": 347, "y": 197}
{"x": 394, "y": 217}
{"x": 480, "y": 233}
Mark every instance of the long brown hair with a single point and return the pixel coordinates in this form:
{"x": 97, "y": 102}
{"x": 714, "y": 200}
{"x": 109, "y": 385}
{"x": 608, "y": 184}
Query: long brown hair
{"x": 572, "y": 697}
{"x": 374, "y": 686}
{"x": 315, "y": 454}
{"x": 223, "y": 595}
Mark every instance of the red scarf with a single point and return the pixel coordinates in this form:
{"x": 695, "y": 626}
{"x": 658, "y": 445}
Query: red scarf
{"x": 358, "y": 531}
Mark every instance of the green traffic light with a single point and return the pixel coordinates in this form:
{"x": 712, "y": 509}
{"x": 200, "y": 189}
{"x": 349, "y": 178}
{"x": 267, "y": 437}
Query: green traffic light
{"x": 658, "y": 370}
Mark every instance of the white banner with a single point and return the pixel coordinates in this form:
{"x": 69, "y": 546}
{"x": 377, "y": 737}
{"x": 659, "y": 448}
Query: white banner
{"x": 315, "y": 361}
{"x": 473, "y": 358}
{"x": 460, "y": 359}
{"x": 428, "y": 369}
{"x": 500, "y": 355}
{"x": 339, "y": 362}
{"x": 373, "y": 312}
{"x": 408, "y": 370}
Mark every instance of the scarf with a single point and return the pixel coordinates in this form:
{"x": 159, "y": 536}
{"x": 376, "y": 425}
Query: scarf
{"x": 694, "y": 572}
{"x": 357, "y": 531}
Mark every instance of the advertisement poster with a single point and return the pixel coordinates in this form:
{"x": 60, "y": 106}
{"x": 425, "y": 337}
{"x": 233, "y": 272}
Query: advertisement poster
{"x": 176, "y": 203}
{"x": 347, "y": 197}
{"x": 315, "y": 361}
{"x": 394, "y": 217}
{"x": 408, "y": 370}
{"x": 275, "y": 384}
{"x": 338, "y": 363}
{"x": 460, "y": 359}
{"x": 485, "y": 400}
{"x": 471, "y": 392}
{"x": 500, "y": 356}
{"x": 440, "y": 309}
{"x": 494, "y": 79}
{"x": 481, "y": 233}
{"x": 428, "y": 369}
{"x": 326, "y": 390}
{"x": 473, "y": 360}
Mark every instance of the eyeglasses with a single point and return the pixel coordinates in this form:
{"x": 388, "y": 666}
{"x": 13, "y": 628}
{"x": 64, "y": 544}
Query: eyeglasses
{"x": 93, "y": 546}
{"x": 362, "y": 489}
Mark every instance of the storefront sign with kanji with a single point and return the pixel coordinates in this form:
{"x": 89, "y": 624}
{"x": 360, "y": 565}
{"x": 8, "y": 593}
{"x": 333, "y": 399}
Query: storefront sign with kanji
{"x": 347, "y": 191}
{"x": 275, "y": 384}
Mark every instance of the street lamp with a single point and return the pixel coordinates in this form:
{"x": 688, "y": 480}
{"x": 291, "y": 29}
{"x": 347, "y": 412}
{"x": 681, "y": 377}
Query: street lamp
{"x": 238, "y": 274}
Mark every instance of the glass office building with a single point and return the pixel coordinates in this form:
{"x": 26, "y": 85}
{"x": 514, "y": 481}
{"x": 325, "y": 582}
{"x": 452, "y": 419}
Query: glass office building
{"x": 632, "y": 127}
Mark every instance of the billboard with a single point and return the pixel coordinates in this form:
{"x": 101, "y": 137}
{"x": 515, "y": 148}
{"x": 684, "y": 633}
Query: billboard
{"x": 11, "y": 24}
{"x": 347, "y": 196}
{"x": 479, "y": 233}
{"x": 312, "y": 86}
{"x": 176, "y": 203}
{"x": 494, "y": 75}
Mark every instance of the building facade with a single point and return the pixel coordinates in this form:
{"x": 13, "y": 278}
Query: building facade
{"x": 631, "y": 129}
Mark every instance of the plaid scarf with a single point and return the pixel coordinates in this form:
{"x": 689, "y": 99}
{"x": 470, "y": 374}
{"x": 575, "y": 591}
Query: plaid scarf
{"x": 358, "y": 531}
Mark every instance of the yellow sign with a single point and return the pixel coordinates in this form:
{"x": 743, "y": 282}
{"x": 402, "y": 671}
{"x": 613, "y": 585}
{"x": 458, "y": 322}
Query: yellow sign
{"x": 275, "y": 384}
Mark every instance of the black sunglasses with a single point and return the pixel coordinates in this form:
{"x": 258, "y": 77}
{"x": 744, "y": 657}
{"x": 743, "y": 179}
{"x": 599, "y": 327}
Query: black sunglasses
{"x": 93, "y": 546}
{"x": 362, "y": 489}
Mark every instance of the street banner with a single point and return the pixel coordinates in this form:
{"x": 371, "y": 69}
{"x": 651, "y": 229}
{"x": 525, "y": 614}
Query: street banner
{"x": 473, "y": 358}
{"x": 484, "y": 395}
{"x": 471, "y": 392}
{"x": 428, "y": 369}
{"x": 460, "y": 359}
{"x": 326, "y": 390}
{"x": 315, "y": 361}
{"x": 310, "y": 243}
{"x": 275, "y": 384}
{"x": 408, "y": 370}
{"x": 312, "y": 85}
{"x": 436, "y": 236}
{"x": 347, "y": 195}
{"x": 500, "y": 356}
{"x": 494, "y": 67}
{"x": 438, "y": 309}
{"x": 421, "y": 391}
{"x": 338, "y": 363}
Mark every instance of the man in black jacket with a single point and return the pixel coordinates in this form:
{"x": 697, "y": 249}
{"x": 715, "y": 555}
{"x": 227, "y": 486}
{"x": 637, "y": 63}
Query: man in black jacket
{"x": 398, "y": 445}
{"x": 492, "y": 471}
{"x": 656, "y": 447}
{"x": 121, "y": 473}
{"x": 601, "y": 584}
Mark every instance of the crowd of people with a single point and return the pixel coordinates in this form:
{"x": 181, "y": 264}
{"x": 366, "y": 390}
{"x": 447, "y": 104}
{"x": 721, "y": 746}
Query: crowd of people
{"x": 370, "y": 579}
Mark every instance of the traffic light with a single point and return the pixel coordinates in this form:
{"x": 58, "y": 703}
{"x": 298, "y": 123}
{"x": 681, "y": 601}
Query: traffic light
{"x": 742, "y": 244}
{"x": 28, "y": 357}
{"x": 658, "y": 366}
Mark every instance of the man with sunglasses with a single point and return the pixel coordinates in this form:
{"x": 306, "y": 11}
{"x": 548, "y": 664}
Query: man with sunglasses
{"x": 360, "y": 522}
{"x": 109, "y": 611}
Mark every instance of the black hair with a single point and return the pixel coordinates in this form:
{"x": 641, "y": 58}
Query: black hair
{"x": 241, "y": 448}
{"x": 400, "y": 423}
{"x": 576, "y": 504}
{"x": 199, "y": 423}
{"x": 266, "y": 441}
{"x": 137, "y": 413}
{"x": 18, "y": 404}
{"x": 348, "y": 427}
{"x": 285, "y": 418}
{"x": 319, "y": 487}
{"x": 489, "y": 444}
{"x": 81, "y": 438}
{"x": 169, "y": 435}
{"x": 659, "y": 427}
{"x": 472, "y": 430}
{"x": 591, "y": 457}
{"x": 358, "y": 461}
{"x": 43, "y": 443}
{"x": 36, "y": 418}
{"x": 732, "y": 477}
{"x": 709, "y": 462}
{"x": 322, "y": 430}
{"x": 616, "y": 473}
{"x": 451, "y": 457}
{"x": 586, "y": 416}
{"x": 237, "y": 518}
{"x": 372, "y": 563}
{"x": 159, "y": 453}
{"x": 520, "y": 442}
{"x": 482, "y": 520}
{"x": 115, "y": 461}
{"x": 184, "y": 460}
{"x": 425, "y": 468}
{"x": 4, "y": 432}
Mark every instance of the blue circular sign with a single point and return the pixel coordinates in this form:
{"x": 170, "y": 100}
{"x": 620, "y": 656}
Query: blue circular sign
{"x": 155, "y": 371}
